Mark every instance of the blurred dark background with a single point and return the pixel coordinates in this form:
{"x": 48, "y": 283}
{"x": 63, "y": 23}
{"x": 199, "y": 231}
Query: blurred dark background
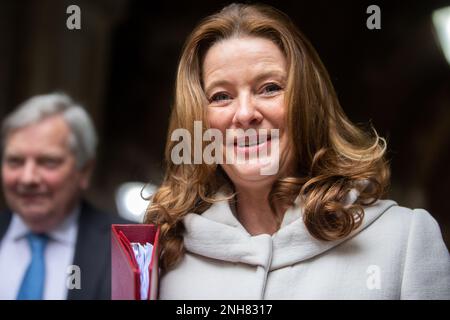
{"x": 121, "y": 67}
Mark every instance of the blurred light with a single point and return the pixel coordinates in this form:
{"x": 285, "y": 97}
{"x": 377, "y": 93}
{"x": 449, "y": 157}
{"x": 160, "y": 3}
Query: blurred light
{"x": 130, "y": 203}
{"x": 441, "y": 21}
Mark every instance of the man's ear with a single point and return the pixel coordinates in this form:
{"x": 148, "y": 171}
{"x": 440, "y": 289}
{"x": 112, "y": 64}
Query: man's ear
{"x": 86, "y": 174}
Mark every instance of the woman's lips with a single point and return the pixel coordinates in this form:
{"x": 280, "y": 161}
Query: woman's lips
{"x": 252, "y": 147}
{"x": 245, "y": 140}
{"x": 251, "y": 142}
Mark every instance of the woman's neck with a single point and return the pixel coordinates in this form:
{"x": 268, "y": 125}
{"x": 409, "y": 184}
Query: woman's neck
{"x": 254, "y": 211}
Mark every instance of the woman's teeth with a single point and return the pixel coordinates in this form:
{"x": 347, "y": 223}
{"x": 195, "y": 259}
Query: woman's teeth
{"x": 251, "y": 143}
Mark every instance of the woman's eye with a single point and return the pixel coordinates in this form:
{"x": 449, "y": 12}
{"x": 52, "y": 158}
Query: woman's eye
{"x": 271, "y": 88}
{"x": 219, "y": 97}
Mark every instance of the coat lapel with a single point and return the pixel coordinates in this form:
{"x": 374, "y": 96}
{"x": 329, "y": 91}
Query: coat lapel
{"x": 293, "y": 243}
{"x": 219, "y": 235}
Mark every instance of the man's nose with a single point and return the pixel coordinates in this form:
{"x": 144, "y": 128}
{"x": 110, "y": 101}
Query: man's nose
{"x": 30, "y": 173}
{"x": 247, "y": 113}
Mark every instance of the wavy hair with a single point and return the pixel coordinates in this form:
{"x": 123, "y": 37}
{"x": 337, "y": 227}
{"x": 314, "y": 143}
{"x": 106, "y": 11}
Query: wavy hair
{"x": 332, "y": 155}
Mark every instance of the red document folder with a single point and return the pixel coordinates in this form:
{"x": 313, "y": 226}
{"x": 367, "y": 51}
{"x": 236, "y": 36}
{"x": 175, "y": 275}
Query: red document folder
{"x": 125, "y": 282}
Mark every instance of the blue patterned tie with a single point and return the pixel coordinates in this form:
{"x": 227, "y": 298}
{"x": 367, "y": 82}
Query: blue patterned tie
{"x": 32, "y": 286}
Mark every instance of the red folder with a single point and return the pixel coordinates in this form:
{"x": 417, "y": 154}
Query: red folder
{"x": 125, "y": 275}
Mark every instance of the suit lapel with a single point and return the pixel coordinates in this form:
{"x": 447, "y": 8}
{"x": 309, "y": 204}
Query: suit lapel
{"x": 5, "y": 220}
{"x": 92, "y": 255}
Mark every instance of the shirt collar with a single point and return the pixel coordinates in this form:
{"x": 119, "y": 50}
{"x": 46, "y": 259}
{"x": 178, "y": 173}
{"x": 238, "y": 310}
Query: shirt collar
{"x": 65, "y": 232}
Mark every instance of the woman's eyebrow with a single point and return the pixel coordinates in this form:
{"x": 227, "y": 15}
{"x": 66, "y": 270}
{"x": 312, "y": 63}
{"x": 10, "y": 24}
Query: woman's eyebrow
{"x": 271, "y": 74}
{"x": 261, "y": 76}
{"x": 216, "y": 83}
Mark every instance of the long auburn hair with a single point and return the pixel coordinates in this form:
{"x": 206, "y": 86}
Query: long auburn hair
{"x": 332, "y": 155}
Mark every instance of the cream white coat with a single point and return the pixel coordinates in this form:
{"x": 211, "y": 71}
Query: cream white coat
{"x": 397, "y": 253}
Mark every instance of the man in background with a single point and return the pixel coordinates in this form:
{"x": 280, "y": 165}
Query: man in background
{"x": 48, "y": 151}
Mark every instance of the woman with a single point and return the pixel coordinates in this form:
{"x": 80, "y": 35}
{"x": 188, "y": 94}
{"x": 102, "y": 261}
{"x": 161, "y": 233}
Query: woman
{"x": 316, "y": 227}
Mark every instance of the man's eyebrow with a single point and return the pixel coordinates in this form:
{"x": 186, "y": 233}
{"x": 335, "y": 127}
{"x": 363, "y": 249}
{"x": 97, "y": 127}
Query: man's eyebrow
{"x": 11, "y": 154}
{"x": 266, "y": 74}
{"x": 50, "y": 155}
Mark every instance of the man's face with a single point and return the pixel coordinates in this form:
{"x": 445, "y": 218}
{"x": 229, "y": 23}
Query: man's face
{"x": 40, "y": 177}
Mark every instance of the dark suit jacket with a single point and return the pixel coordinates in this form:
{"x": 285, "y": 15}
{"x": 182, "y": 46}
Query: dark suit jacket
{"x": 92, "y": 251}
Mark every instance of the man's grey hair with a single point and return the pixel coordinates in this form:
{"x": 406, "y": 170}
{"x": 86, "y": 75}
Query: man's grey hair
{"x": 82, "y": 139}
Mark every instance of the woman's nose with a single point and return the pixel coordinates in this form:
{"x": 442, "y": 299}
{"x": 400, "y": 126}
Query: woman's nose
{"x": 247, "y": 112}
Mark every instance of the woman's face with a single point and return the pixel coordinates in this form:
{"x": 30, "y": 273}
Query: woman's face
{"x": 244, "y": 81}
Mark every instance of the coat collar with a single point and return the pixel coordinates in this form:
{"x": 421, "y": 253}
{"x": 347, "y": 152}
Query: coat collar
{"x": 219, "y": 235}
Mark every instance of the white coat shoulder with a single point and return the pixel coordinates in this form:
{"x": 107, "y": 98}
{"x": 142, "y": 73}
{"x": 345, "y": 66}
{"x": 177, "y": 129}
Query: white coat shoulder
{"x": 426, "y": 260}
